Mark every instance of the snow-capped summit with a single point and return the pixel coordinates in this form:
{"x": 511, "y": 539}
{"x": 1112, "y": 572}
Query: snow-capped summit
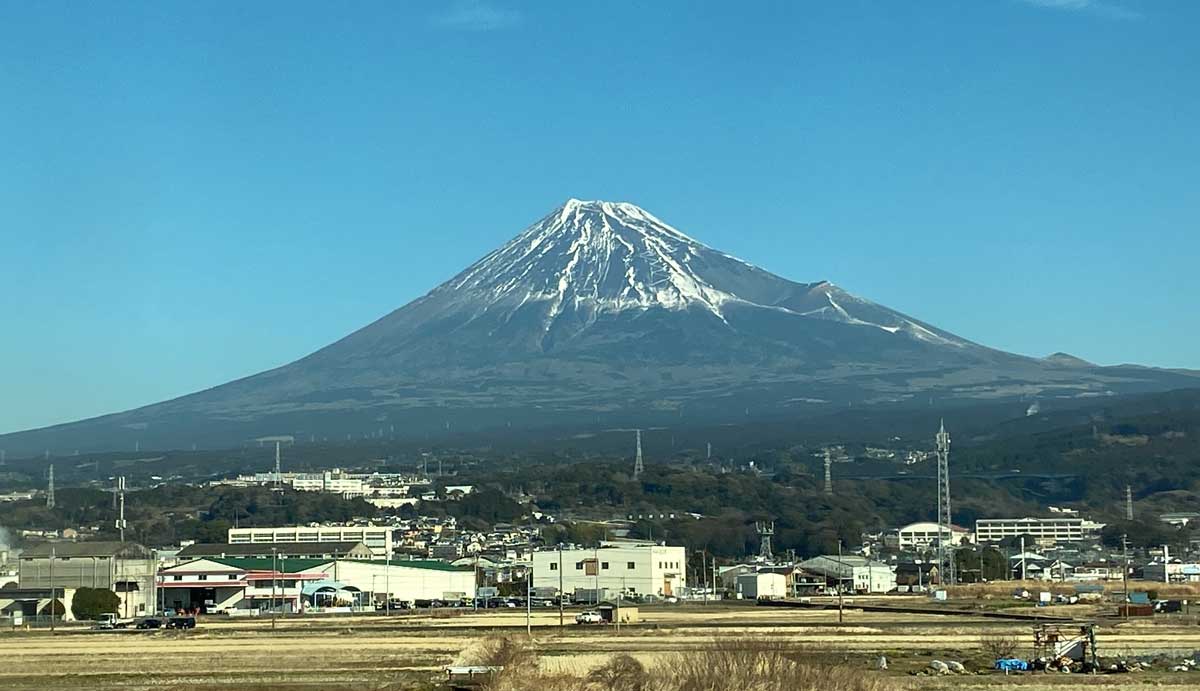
{"x": 587, "y": 259}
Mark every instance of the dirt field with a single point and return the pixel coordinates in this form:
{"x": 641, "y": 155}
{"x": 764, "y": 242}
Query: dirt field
{"x": 409, "y": 651}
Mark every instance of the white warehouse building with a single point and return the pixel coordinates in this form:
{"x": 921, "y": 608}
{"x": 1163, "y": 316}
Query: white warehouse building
{"x": 637, "y": 567}
{"x": 925, "y": 534}
{"x": 378, "y": 539}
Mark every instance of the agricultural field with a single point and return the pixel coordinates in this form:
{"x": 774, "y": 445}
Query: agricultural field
{"x": 409, "y": 651}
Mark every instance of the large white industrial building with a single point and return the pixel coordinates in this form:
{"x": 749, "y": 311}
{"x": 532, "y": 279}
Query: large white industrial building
{"x": 634, "y": 567}
{"x": 378, "y": 539}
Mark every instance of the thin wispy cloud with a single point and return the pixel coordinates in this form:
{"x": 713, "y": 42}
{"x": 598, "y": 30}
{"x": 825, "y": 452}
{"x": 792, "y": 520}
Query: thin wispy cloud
{"x": 475, "y": 15}
{"x": 1101, "y": 8}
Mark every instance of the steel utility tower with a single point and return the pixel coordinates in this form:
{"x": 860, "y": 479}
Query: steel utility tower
{"x": 945, "y": 526}
{"x": 638, "y": 466}
{"x": 50, "y": 489}
{"x": 1128, "y": 502}
{"x": 828, "y": 473}
{"x": 765, "y": 531}
{"x": 121, "y": 506}
{"x": 278, "y": 475}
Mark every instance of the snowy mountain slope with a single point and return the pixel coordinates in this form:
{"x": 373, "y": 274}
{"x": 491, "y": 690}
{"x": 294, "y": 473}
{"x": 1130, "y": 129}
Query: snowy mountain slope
{"x": 601, "y": 309}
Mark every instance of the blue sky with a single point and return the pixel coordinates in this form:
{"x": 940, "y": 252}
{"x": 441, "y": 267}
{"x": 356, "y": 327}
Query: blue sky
{"x": 193, "y": 192}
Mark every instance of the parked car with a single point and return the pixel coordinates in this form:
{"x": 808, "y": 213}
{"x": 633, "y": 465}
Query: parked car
{"x": 150, "y": 624}
{"x": 182, "y": 623}
{"x": 589, "y": 616}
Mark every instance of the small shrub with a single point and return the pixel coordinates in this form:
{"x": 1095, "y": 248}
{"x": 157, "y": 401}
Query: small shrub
{"x": 621, "y": 673}
{"x": 998, "y": 646}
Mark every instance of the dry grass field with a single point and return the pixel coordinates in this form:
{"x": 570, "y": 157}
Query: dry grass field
{"x": 409, "y": 651}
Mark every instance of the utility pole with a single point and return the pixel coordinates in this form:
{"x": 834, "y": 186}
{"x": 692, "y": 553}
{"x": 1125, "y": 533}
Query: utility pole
{"x": 839, "y": 581}
{"x": 53, "y": 609}
{"x": 387, "y": 582}
{"x": 121, "y": 506}
{"x": 704, "y": 572}
{"x": 1125, "y": 572}
{"x": 274, "y": 579}
{"x": 560, "y": 587}
{"x": 1023, "y": 574}
{"x": 529, "y": 600}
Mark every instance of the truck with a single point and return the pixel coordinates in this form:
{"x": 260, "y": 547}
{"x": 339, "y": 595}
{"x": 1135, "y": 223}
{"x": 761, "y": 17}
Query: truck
{"x": 110, "y": 620}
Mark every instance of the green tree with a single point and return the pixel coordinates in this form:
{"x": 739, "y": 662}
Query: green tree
{"x": 90, "y": 603}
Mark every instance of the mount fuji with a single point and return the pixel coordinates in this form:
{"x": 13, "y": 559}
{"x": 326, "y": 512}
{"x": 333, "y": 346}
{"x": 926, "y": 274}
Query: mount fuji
{"x": 602, "y": 312}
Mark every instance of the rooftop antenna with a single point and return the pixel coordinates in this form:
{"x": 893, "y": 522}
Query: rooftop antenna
{"x": 765, "y": 531}
{"x": 1128, "y": 502}
{"x": 828, "y": 472}
{"x": 945, "y": 529}
{"x": 121, "y": 506}
{"x": 638, "y": 466}
{"x": 50, "y": 489}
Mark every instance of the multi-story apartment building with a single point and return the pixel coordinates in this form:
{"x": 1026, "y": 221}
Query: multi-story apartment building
{"x": 1045, "y": 531}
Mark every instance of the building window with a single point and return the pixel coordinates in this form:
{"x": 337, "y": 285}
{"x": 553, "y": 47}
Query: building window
{"x": 553, "y": 566}
{"x": 604, "y": 565}
{"x": 630, "y": 565}
{"x": 202, "y": 577}
{"x": 177, "y": 578}
{"x": 579, "y": 566}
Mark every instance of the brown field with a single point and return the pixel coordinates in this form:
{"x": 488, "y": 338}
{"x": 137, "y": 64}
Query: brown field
{"x": 409, "y": 651}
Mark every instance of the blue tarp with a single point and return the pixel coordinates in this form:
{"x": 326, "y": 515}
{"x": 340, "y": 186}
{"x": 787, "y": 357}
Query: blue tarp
{"x": 1011, "y": 665}
{"x": 1139, "y": 598}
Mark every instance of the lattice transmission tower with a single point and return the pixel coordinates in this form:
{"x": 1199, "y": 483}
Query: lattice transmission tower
{"x": 638, "y": 466}
{"x": 945, "y": 526}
